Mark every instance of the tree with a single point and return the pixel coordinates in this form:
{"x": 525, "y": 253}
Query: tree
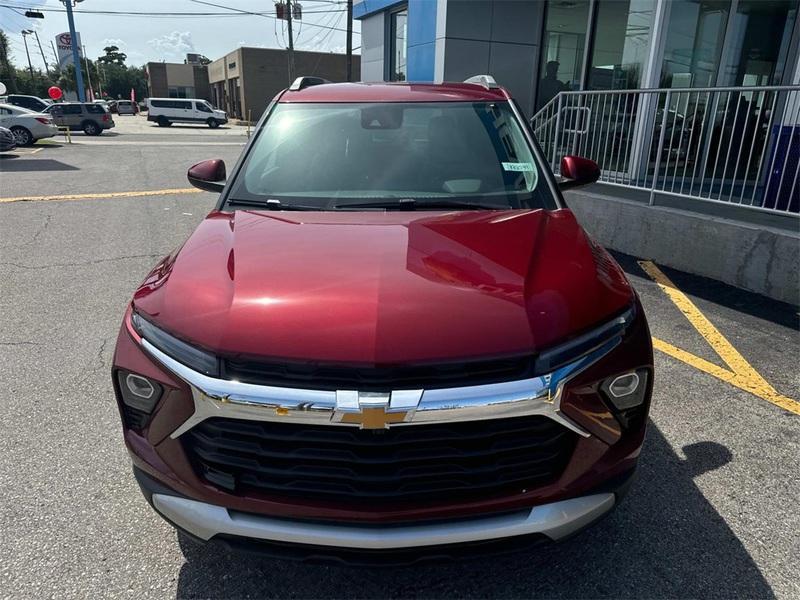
{"x": 113, "y": 56}
{"x": 7, "y": 70}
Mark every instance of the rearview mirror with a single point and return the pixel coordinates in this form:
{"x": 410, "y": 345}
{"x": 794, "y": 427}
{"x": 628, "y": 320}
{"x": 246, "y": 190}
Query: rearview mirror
{"x": 578, "y": 171}
{"x": 208, "y": 175}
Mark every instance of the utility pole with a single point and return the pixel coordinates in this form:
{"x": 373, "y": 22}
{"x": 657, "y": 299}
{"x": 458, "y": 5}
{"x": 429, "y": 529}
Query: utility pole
{"x": 25, "y": 34}
{"x": 290, "y": 54}
{"x": 46, "y": 67}
{"x": 88, "y": 73}
{"x": 55, "y": 55}
{"x": 349, "y": 40}
{"x": 12, "y": 79}
{"x": 76, "y": 58}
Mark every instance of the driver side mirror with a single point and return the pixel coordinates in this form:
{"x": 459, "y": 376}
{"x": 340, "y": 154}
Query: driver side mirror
{"x": 208, "y": 175}
{"x": 578, "y": 171}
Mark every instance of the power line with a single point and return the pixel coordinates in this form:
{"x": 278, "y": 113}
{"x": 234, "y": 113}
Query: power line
{"x": 257, "y": 14}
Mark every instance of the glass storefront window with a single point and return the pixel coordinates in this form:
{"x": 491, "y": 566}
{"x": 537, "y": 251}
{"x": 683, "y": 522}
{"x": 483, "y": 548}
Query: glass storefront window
{"x": 693, "y": 45}
{"x": 398, "y": 40}
{"x": 562, "y": 54}
{"x": 621, "y": 43}
{"x": 759, "y": 43}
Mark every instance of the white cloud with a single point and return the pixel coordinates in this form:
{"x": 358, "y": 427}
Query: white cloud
{"x": 173, "y": 45}
{"x": 121, "y": 44}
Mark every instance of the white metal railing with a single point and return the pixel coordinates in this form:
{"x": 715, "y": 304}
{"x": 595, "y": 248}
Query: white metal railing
{"x": 737, "y": 145}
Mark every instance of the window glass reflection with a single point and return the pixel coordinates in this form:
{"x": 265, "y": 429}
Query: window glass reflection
{"x": 621, "y": 43}
{"x": 759, "y": 42}
{"x": 399, "y": 37}
{"x": 563, "y": 47}
{"x": 693, "y": 45}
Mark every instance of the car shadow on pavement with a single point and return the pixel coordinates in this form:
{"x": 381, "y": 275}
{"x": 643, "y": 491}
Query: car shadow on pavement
{"x": 664, "y": 540}
{"x": 39, "y": 164}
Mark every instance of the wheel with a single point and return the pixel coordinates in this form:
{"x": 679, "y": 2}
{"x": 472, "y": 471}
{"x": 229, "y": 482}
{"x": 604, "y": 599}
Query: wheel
{"x": 162, "y": 122}
{"x": 213, "y": 123}
{"x": 23, "y": 136}
{"x": 91, "y": 128}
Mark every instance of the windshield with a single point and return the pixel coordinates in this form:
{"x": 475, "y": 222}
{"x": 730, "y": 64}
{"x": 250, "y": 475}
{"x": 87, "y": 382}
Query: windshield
{"x": 334, "y": 155}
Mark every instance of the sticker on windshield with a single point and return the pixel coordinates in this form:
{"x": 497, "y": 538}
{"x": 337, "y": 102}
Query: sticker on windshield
{"x": 517, "y": 166}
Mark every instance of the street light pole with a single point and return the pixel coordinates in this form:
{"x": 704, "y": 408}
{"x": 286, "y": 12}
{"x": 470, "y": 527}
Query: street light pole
{"x": 76, "y": 58}
{"x": 25, "y": 34}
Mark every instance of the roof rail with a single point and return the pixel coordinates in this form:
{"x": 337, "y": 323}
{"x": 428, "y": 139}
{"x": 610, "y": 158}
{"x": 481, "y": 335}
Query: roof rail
{"x": 306, "y": 81}
{"x": 486, "y": 81}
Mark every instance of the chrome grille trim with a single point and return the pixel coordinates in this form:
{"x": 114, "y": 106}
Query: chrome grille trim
{"x": 233, "y": 399}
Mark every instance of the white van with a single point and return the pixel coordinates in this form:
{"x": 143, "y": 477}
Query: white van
{"x": 166, "y": 111}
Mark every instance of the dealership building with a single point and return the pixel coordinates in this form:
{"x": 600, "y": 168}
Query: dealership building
{"x": 690, "y": 107}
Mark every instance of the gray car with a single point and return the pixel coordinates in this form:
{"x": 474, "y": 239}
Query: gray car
{"x": 7, "y": 140}
{"x": 90, "y": 118}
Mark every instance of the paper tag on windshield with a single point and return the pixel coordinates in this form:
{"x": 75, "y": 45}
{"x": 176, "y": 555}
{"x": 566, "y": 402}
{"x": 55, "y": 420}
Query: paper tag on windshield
{"x": 517, "y": 166}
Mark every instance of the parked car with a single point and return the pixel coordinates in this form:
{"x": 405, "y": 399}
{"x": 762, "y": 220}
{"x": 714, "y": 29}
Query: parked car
{"x": 7, "y": 140}
{"x": 30, "y": 102}
{"x": 125, "y": 107}
{"x": 27, "y": 126}
{"x": 91, "y": 118}
{"x": 166, "y": 111}
{"x": 390, "y": 335}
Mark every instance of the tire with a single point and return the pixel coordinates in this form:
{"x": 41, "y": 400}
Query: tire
{"x": 162, "y": 122}
{"x": 213, "y": 123}
{"x": 91, "y": 128}
{"x": 23, "y": 136}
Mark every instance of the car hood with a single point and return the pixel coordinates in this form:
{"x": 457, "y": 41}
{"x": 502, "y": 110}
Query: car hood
{"x": 382, "y": 288}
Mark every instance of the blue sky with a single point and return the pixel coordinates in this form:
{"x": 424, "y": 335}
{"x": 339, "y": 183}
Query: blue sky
{"x": 156, "y": 38}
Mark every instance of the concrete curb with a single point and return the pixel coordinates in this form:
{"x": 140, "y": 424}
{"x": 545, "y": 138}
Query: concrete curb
{"x": 760, "y": 259}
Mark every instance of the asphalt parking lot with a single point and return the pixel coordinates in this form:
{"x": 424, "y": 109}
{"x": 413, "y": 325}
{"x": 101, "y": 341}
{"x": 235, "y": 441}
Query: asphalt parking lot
{"x": 715, "y": 511}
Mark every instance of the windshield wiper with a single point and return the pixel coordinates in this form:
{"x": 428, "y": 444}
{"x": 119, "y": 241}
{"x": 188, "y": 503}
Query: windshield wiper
{"x": 414, "y": 204}
{"x": 271, "y": 204}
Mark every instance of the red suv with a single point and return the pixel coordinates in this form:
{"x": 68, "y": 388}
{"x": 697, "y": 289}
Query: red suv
{"x": 390, "y": 337}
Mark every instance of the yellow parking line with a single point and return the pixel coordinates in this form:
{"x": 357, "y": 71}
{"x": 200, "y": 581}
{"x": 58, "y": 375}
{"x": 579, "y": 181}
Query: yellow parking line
{"x": 739, "y": 373}
{"x": 174, "y": 191}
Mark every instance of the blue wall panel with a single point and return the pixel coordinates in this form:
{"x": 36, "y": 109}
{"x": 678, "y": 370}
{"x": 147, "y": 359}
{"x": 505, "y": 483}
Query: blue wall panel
{"x": 421, "y": 39}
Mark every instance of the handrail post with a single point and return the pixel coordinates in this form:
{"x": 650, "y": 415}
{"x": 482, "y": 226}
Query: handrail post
{"x": 557, "y": 131}
{"x": 660, "y": 146}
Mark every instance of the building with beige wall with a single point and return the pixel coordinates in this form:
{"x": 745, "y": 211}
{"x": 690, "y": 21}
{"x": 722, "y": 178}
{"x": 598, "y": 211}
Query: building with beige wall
{"x": 244, "y": 81}
{"x": 176, "y": 80}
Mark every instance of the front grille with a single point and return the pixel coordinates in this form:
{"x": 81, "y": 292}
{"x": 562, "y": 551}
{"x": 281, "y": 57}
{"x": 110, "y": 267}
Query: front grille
{"x": 416, "y": 464}
{"x": 324, "y": 376}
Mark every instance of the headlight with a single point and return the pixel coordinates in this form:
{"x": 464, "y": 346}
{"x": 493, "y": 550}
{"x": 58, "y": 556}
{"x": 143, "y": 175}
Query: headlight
{"x": 558, "y": 356}
{"x": 200, "y": 361}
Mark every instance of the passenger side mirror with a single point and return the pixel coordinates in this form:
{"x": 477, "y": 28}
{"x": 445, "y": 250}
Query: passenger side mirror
{"x": 577, "y": 171}
{"x": 208, "y": 175}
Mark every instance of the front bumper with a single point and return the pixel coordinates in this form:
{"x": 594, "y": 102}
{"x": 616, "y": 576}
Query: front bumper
{"x": 355, "y": 543}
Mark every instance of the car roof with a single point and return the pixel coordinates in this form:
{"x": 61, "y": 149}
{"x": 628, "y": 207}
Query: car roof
{"x": 395, "y": 92}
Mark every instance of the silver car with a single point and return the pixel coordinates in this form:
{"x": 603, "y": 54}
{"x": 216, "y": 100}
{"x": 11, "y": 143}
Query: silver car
{"x": 7, "y": 140}
{"x": 27, "y": 126}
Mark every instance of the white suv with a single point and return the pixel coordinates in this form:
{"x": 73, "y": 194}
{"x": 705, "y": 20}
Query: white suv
{"x": 166, "y": 111}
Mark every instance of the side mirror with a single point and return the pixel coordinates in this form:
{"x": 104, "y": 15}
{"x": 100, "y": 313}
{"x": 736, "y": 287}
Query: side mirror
{"x": 208, "y": 175}
{"x": 578, "y": 171}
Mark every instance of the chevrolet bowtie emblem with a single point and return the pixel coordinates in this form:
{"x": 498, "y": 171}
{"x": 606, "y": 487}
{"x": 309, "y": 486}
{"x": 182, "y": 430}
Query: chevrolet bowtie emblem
{"x": 374, "y": 418}
{"x": 370, "y": 410}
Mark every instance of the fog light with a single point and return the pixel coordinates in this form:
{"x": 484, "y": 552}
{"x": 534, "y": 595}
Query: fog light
{"x": 627, "y": 390}
{"x": 139, "y": 386}
{"x": 137, "y": 391}
{"x": 623, "y": 385}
